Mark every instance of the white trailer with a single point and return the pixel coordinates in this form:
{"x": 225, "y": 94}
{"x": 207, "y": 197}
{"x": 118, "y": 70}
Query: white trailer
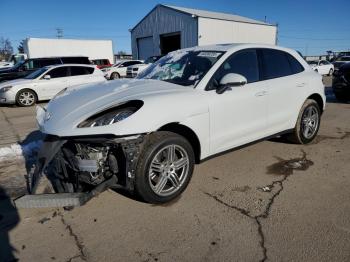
{"x": 45, "y": 47}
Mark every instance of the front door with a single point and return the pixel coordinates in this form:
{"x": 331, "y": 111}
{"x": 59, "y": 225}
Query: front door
{"x": 239, "y": 115}
{"x": 48, "y": 88}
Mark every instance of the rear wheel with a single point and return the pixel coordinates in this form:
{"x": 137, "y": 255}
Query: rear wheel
{"x": 26, "y": 97}
{"x": 115, "y": 75}
{"x": 308, "y": 123}
{"x": 165, "y": 167}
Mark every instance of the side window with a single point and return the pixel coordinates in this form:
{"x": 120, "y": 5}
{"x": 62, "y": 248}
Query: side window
{"x": 275, "y": 64}
{"x": 243, "y": 62}
{"x": 58, "y": 72}
{"x": 80, "y": 70}
{"x": 28, "y": 65}
{"x": 294, "y": 64}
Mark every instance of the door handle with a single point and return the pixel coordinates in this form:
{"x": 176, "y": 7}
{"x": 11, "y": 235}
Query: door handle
{"x": 261, "y": 93}
{"x": 300, "y": 84}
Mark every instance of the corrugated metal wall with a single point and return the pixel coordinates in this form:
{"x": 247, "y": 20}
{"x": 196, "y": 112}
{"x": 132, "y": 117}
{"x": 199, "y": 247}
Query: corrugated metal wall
{"x": 163, "y": 20}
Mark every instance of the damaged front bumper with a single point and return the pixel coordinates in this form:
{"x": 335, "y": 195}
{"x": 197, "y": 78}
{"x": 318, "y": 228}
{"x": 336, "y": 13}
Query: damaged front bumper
{"x": 81, "y": 164}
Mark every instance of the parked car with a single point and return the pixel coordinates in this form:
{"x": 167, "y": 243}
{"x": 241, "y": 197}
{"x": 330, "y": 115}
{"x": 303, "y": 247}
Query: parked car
{"x": 192, "y": 104}
{"x": 26, "y": 67}
{"x": 323, "y": 67}
{"x": 101, "y": 63}
{"x": 45, "y": 83}
{"x": 118, "y": 70}
{"x": 134, "y": 70}
{"x": 341, "y": 83}
{"x": 341, "y": 61}
{"x": 4, "y": 65}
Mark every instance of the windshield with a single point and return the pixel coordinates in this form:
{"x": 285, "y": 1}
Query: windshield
{"x": 36, "y": 73}
{"x": 185, "y": 68}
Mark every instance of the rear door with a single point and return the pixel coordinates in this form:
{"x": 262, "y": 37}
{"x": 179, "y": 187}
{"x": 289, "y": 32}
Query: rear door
{"x": 82, "y": 75}
{"x": 285, "y": 86}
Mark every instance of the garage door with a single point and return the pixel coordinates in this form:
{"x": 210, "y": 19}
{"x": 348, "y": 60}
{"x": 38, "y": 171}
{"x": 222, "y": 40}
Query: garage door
{"x": 145, "y": 47}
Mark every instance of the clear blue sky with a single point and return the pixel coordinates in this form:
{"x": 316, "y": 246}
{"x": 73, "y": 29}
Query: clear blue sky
{"x": 309, "y": 26}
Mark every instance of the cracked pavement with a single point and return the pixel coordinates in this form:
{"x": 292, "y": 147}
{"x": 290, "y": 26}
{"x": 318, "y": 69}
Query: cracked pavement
{"x": 272, "y": 201}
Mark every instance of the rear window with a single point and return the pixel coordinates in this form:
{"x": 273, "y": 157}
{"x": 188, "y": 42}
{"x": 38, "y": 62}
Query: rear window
{"x": 101, "y": 62}
{"x": 294, "y": 64}
{"x": 277, "y": 63}
{"x": 80, "y": 70}
{"x": 75, "y": 60}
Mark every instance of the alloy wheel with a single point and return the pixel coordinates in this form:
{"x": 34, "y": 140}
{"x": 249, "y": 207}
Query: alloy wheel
{"x": 168, "y": 170}
{"x": 310, "y": 122}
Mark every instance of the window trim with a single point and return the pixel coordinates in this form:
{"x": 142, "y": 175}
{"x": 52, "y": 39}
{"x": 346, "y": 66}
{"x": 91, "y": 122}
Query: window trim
{"x": 229, "y": 57}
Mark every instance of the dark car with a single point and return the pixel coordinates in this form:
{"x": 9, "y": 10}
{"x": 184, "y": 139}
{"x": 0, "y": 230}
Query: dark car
{"x": 101, "y": 63}
{"x": 24, "y": 68}
{"x": 341, "y": 61}
{"x": 341, "y": 83}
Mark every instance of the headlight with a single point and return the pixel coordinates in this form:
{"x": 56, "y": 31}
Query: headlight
{"x": 5, "y": 89}
{"x": 113, "y": 115}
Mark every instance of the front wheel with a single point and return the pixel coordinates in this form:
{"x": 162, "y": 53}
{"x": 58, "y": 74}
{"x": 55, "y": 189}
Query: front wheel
{"x": 26, "y": 97}
{"x": 330, "y": 72}
{"x": 308, "y": 123}
{"x": 165, "y": 167}
{"x": 115, "y": 75}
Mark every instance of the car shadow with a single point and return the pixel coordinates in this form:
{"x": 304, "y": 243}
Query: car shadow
{"x": 9, "y": 219}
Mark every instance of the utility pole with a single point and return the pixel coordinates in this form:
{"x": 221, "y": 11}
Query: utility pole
{"x": 59, "y": 32}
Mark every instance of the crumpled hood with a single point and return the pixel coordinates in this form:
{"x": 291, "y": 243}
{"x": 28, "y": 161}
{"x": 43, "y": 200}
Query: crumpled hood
{"x": 68, "y": 109}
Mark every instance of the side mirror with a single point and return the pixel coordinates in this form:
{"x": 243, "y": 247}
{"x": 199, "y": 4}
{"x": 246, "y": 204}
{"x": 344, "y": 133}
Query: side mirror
{"x": 47, "y": 77}
{"x": 230, "y": 80}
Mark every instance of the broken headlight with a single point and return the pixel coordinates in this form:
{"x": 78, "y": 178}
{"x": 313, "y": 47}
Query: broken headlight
{"x": 112, "y": 115}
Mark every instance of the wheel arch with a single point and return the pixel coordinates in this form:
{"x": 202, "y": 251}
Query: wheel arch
{"x": 187, "y": 133}
{"x": 26, "y": 88}
{"x": 318, "y": 99}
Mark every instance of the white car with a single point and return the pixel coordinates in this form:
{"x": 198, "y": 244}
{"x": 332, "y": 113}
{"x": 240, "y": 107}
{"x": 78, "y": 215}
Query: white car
{"x": 323, "y": 67}
{"x": 118, "y": 70}
{"x": 4, "y": 65}
{"x": 134, "y": 70}
{"x": 46, "y": 82}
{"x": 146, "y": 134}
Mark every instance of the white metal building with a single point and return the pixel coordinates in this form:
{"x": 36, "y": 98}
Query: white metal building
{"x": 166, "y": 28}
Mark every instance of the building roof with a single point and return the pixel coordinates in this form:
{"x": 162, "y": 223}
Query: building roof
{"x": 206, "y": 14}
{"x": 216, "y": 15}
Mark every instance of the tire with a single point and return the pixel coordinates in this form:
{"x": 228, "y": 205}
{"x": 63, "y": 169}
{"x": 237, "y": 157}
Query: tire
{"x": 26, "y": 97}
{"x": 330, "y": 72}
{"x": 308, "y": 123}
{"x": 157, "y": 178}
{"x": 115, "y": 75}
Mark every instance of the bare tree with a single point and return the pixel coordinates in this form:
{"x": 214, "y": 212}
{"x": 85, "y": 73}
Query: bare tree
{"x": 6, "y": 48}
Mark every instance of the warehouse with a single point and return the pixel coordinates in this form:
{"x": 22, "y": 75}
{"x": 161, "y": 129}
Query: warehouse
{"x": 167, "y": 28}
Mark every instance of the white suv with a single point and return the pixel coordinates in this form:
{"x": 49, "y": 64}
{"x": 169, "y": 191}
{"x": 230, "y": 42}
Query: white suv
{"x": 192, "y": 104}
{"x": 118, "y": 70}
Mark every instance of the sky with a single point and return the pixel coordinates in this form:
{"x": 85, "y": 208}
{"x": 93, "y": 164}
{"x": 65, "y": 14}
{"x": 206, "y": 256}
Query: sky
{"x": 309, "y": 26}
